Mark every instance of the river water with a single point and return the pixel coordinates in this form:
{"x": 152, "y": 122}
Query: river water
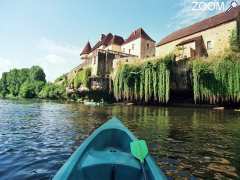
{"x": 37, "y": 137}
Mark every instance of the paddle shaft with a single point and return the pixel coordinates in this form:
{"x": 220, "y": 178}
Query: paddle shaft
{"x": 144, "y": 172}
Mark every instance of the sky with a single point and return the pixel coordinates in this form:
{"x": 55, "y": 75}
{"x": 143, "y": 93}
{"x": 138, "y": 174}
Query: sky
{"x": 51, "y": 33}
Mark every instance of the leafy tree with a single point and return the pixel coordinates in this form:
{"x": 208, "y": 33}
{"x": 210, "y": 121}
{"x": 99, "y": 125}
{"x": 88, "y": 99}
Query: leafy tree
{"x": 27, "y": 90}
{"x": 53, "y": 91}
{"x": 3, "y": 85}
{"x": 82, "y": 78}
{"x": 37, "y": 74}
{"x": 22, "y": 82}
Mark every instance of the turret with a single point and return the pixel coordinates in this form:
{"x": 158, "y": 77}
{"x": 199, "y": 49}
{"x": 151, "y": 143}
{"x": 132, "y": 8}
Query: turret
{"x": 86, "y": 50}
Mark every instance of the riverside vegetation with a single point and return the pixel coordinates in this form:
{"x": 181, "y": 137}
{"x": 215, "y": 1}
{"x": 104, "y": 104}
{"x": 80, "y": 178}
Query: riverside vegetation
{"x": 148, "y": 82}
{"x": 214, "y": 80}
{"x": 29, "y": 83}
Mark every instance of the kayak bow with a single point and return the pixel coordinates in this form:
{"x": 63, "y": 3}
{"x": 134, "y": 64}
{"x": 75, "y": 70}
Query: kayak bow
{"x": 106, "y": 155}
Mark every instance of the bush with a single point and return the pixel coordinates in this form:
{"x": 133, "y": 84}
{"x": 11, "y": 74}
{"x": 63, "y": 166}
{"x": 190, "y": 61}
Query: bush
{"x": 53, "y": 91}
{"x": 82, "y": 78}
{"x": 27, "y": 90}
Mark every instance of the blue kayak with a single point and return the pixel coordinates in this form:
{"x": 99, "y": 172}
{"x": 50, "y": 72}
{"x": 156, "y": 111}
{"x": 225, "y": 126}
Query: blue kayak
{"x": 106, "y": 155}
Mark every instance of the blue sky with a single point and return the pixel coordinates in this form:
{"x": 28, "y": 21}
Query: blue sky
{"x": 51, "y": 33}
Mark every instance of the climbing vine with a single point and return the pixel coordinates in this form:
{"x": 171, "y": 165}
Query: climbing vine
{"x": 217, "y": 80}
{"x": 82, "y": 78}
{"x": 148, "y": 82}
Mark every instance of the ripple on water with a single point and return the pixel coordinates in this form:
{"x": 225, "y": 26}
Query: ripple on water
{"x": 36, "y": 138}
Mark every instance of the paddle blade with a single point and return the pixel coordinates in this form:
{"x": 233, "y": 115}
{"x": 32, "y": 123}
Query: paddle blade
{"x": 139, "y": 149}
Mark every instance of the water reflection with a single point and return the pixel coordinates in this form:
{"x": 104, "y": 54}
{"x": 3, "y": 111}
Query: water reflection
{"x": 36, "y": 138}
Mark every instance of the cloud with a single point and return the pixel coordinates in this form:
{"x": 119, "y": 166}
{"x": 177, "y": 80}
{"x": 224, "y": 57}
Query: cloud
{"x": 187, "y": 13}
{"x": 57, "y": 48}
{"x": 54, "y": 57}
{"x": 58, "y": 58}
{"x": 5, "y": 65}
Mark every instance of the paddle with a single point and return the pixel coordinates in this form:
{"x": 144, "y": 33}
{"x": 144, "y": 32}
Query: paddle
{"x": 139, "y": 150}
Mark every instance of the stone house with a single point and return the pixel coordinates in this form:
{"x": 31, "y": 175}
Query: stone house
{"x": 205, "y": 38}
{"x": 100, "y": 58}
{"x": 140, "y": 44}
{"x": 110, "y": 47}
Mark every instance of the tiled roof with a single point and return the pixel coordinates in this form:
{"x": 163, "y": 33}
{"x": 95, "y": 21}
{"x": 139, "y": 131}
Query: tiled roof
{"x": 117, "y": 40}
{"x": 86, "y": 49}
{"x": 190, "y": 40}
{"x": 202, "y": 25}
{"x": 139, "y": 33}
{"x": 107, "y": 40}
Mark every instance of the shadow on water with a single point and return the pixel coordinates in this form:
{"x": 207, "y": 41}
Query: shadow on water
{"x": 36, "y": 138}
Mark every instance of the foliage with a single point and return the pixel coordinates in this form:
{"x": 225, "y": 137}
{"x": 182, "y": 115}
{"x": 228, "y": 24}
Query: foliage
{"x": 3, "y": 85}
{"x": 234, "y": 41}
{"x": 62, "y": 80}
{"x": 217, "y": 80}
{"x": 31, "y": 89}
{"x": 82, "y": 78}
{"x": 53, "y": 91}
{"x": 27, "y": 90}
{"x": 146, "y": 82}
{"x": 24, "y": 82}
{"x": 37, "y": 74}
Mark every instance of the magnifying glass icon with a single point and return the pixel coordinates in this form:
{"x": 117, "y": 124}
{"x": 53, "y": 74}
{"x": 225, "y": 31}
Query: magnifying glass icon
{"x": 232, "y": 5}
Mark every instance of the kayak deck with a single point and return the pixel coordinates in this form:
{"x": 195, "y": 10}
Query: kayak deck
{"x": 109, "y": 159}
{"x": 106, "y": 155}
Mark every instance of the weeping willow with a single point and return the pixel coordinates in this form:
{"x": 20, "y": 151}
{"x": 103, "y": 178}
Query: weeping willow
{"x": 148, "y": 82}
{"x": 81, "y": 78}
{"x": 217, "y": 81}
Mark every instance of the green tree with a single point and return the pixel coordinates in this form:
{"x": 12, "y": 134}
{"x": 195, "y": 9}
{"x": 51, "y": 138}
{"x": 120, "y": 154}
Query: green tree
{"x": 37, "y": 74}
{"x": 27, "y": 90}
{"x": 22, "y": 82}
{"x": 53, "y": 91}
{"x": 82, "y": 78}
{"x": 3, "y": 85}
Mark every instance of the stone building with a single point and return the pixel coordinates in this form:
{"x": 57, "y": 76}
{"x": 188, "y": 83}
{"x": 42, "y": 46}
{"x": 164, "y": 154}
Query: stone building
{"x": 140, "y": 44}
{"x": 110, "y": 47}
{"x": 205, "y": 38}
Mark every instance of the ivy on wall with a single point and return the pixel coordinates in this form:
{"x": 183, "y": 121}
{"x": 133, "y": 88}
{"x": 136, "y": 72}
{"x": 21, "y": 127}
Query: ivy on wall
{"x": 217, "y": 80}
{"x": 144, "y": 82}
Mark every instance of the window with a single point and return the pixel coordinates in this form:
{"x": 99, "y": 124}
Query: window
{"x": 123, "y": 49}
{"x": 132, "y": 46}
{"x": 209, "y": 45}
{"x": 129, "y": 51}
{"x": 147, "y": 46}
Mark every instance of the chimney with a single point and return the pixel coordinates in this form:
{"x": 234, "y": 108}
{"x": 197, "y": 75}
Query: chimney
{"x": 102, "y": 36}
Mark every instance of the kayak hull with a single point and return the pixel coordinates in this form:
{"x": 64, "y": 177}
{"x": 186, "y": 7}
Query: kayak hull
{"x": 106, "y": 155}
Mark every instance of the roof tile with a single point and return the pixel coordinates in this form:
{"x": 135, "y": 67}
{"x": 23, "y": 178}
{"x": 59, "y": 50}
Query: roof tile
{"x": 139, "y": 33}
{"x": 202, "y": 25}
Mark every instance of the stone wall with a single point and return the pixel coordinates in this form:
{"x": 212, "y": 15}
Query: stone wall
{"x": 218, "y": 35}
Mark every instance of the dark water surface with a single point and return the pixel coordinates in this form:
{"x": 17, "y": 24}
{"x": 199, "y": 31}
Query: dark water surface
{"x": 36, "y": 138}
